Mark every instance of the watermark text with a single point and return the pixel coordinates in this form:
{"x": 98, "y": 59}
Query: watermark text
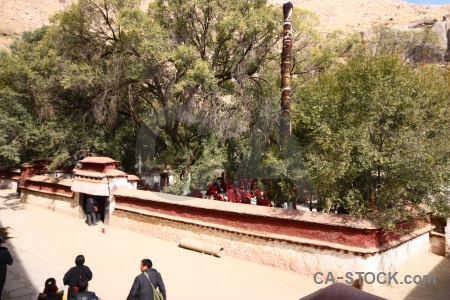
{"x": 389, "y": 278}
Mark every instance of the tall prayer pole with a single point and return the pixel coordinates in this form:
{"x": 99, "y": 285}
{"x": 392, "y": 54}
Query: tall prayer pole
{"x": 285, "y": 122}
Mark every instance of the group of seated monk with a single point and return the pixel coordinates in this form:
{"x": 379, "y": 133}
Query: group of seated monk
{"x": 241, "y": 196}
{"x": 225, "y": 190}
{"x": 244, "y": 194}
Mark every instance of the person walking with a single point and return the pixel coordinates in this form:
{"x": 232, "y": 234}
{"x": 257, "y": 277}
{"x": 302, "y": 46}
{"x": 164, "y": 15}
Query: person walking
{"x": 51, "y": 291}
{"x": 91, "y": 210}
{"x": 142, "y": 288}
{"x": 74, "y": 275}
{"x": 83, "y": 293}
{"x": 5, "y": 259}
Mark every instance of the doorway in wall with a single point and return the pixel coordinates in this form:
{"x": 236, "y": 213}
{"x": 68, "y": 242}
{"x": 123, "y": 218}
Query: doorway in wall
{"x": 101, "y": 201}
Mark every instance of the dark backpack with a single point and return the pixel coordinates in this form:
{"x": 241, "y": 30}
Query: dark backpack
{"x": 86, "y": 296}
{"x": 58, "y": 296}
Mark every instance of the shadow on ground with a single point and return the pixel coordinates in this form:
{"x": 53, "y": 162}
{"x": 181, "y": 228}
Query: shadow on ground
{"x": 435, "y": 284}
{"x": 16, "y": 288}
{"x": 11, "y": 202}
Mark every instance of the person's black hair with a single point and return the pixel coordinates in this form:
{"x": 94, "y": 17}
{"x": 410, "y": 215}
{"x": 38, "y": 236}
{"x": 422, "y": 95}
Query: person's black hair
{"x": 50, "y": 286}
{"x": 147, "y": 262}
{"x": 82, "y": 285}
{"x": 79, "y": 260}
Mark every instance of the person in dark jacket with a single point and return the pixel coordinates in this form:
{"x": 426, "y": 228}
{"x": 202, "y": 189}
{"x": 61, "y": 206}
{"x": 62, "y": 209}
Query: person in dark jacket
{"x": 5, "y": 259}
{"x": 72, "y": 277}
{"x": 142, "y": 289}
{"x": 83, "y": 293}
{"x": 51, "y": 291}
{"x": 90, "y": 210}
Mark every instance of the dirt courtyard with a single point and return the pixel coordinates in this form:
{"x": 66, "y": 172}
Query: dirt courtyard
{"x": 45, "y": 243}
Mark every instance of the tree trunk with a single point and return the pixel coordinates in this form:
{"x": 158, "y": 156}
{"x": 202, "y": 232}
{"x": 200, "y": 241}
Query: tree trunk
{"x": 285, "y": 122}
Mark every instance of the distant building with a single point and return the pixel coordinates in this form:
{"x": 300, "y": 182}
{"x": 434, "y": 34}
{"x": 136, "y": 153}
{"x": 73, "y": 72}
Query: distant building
{"x": 68, "y": 190}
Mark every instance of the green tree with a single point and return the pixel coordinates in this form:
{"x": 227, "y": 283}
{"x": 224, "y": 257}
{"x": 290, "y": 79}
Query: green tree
{"x": 413, "y": 46}
{"x": 115, "y": 62}
{"x": 376, "y": 127}
{"x": 105, "y": 74}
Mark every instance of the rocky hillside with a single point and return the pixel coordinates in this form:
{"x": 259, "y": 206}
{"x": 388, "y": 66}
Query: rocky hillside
{"x": 17, "y": 16}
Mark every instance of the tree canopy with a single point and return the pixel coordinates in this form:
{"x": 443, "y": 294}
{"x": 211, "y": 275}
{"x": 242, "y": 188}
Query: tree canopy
{"x": 375, "y": 127}
{"x": 195, "y": 84}
{"x": 106, "y": 73}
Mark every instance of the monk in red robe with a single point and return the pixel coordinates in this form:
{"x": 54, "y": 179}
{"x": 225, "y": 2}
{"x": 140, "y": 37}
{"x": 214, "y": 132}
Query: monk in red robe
{"x": 211, "y": 189}
{"x": 258, "y": 197}
{"x": 236, "y": 196}
{"x": 217, "y": 196}
{"x": 267, "y": 199}
{"x": 230, "y": 195}
{"x": 248, "y": 197}
{"x": 229, "y": 184}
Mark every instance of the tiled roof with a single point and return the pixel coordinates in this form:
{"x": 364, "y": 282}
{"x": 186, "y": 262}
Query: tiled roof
{"x": 48, "y": 179}
{"x": 98, "y": 160}
{"x": 133, "y": 178}
{"x": 115, "y": 173}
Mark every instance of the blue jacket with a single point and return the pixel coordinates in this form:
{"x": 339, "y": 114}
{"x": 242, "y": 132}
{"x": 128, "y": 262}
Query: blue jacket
{"x": 90, "y": 205}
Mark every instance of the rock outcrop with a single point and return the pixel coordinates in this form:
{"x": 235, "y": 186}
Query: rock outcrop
{"x": 442, "y": 30}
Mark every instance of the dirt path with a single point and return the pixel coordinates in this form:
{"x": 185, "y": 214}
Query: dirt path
{"x": 45, "y": 243}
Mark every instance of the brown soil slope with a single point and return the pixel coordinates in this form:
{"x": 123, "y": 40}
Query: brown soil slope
{"x": 17, "y": 16}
